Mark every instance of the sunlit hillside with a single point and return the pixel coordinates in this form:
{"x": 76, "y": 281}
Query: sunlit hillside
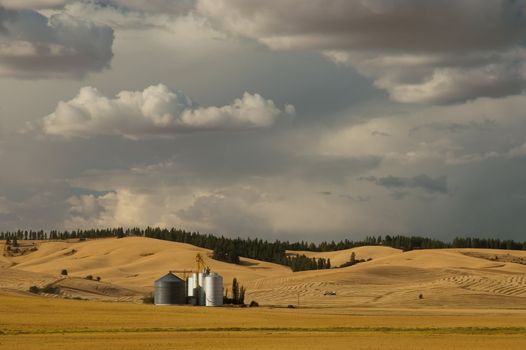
{"x": 449, "y": 278}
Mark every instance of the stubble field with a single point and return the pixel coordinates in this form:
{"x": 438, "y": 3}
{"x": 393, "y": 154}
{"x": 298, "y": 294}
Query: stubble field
{"x": 430, "y": 299}
{"x": 28, "y": 322}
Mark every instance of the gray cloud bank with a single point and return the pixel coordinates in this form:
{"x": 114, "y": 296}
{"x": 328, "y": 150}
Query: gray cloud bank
{"x": 417, "y": 51}
{"x": 424, "y": 182}
{"x": 155, "y": 6}
{"x": 61, "y": 46}
{"x": 352, "y": 163}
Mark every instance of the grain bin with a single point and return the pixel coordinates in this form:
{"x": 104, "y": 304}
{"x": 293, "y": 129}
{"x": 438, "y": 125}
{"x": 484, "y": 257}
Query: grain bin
{"x": 195, "y": 289}
{"x": 191, "y": 291}
{"x": 201, "y": 292}
{"x": 170, "y": 290}
{"x": 213, "y": 287}
{"x": 191, "y": 284}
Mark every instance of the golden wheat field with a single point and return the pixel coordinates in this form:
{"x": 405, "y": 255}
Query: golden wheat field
{"x": 129, "y": 266}
{"x": 29, "y": 322}
{"x": 430, "y": 299}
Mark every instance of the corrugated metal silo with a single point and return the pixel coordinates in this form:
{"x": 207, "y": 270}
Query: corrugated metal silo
{"x": 170, "y": 290}
{"x": 190, "y": 284}
{"x": 213, "y": 286}
{"x": 201, "y": 293}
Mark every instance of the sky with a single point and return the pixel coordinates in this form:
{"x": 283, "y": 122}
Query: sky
{"x": 291, "y": 119}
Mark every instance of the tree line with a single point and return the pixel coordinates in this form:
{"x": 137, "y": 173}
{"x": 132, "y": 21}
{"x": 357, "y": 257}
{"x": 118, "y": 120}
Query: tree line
{"x": 301, "y": 262}
{"x": 231, "y": 249}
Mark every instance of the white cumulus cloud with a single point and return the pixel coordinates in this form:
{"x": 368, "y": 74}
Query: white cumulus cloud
{"x": 156, "y": 111}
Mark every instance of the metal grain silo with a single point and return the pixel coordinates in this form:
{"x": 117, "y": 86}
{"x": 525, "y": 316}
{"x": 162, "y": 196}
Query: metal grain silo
{"x": 190, "y": 289}
{"x": 213, "y": 287}
{"x": 201, "y": 292}
{"x": 170, "y": 290}
{"x": 191, "y": 284}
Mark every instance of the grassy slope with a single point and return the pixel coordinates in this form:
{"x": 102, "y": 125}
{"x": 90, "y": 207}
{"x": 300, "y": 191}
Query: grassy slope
{"x": 445, "y": 278}
{"x": 134, "y": 262}
{"x": 343, "y": 256}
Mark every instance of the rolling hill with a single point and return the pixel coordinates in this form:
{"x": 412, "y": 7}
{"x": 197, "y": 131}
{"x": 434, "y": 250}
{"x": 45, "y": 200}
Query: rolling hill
{"x": 134, "y": 262}
{"x": 421, "y": 278}
{"x": 449, "y": 278}
{"x": 342, "y": 256}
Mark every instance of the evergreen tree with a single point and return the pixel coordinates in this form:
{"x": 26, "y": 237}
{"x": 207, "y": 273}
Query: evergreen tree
{"x": 235, "y": 291}
{"x": 241, "y": 300}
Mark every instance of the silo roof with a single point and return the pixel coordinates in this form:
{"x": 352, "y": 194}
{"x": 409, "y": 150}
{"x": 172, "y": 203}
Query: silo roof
{"x": 169, "y": 277}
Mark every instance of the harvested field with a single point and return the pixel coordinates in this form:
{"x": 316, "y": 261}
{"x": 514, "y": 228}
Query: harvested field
{"x": 43, "y": 323}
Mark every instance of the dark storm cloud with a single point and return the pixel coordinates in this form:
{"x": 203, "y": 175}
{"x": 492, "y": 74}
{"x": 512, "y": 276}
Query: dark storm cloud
{"x": 406, "y": 25}
{"x": 380, "y": 133}
{"x": 298, "y": 178}
{"x": 60, "y": 46}
{"x": 153, "y": 6}
{"x": 423, "y": 182}
{"x": 229, "y": 216}
{"x": 33, "y": 204}
{"x": 129, "y": 14}
{"x": 418, "y": 51}
{"x": 215, "y": 158}
{"x": 474, "y": 125}
{"x": 4, "y": 17}
{"x": 157, "y": 6}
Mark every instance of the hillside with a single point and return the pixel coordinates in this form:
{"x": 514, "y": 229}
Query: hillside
{"x": 134, "y": 262}
{"x": 3, "y": 260}
{"x": 449, "y": 278}
{"x": 444, "y": 278}
{"x": 342, "y": 256}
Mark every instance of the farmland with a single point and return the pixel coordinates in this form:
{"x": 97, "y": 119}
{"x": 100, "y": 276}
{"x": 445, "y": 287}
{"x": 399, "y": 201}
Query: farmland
{"x": 432, "y": 299}
{"x": 29, "y": 322}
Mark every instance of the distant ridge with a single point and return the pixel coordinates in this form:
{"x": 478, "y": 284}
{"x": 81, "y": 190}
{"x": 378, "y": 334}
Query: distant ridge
{"x": 231, "y": 249}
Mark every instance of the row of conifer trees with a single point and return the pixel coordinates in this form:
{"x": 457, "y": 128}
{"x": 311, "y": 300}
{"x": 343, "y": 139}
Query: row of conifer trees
{"x": 231, "y": 249}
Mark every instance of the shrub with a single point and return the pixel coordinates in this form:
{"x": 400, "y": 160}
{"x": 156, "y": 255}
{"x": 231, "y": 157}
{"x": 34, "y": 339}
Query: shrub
{"x": 353, "y": 261}
{"x": 89, "y": 277}
{"x": 98, "y": 278}
{"x": 421, "y": 296}
{"x": 47, "y": 289}
{"x": 50, "y": 290}
{"x": 64, "y": 272}
{"x": 74, "y": 298}
{"x": 253, "y": 303}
